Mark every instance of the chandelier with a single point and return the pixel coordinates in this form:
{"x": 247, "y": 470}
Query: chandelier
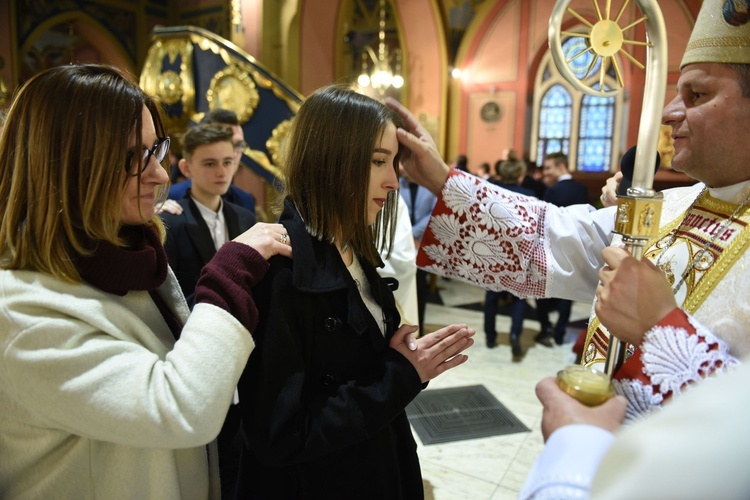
{"x": 376, "y": 68}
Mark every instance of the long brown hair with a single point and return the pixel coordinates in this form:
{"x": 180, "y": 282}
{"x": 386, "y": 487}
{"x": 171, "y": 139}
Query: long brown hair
{"x": 328, "y": 164}
{"x": 63, "y": 155}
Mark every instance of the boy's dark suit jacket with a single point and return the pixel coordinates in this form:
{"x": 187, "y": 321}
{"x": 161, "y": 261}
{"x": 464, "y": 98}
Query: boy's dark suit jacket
{"x": 189, "y": 245}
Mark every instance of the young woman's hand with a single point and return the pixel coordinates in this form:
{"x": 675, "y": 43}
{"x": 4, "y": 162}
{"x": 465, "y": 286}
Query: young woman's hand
{"x": 435, "y": 352}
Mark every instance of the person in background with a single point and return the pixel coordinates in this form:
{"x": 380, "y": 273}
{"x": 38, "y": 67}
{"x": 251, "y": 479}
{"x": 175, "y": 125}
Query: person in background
{"x": 175, "y": 174}
{"x": 483, "y": 171}
{"x": 510, "y": 172}
{"x": 207, "y": 220}
{"x": 461, "y": 162}
{"x": 420, "y": 202}
{"x": 533, "y": 179}
{"x": 234, "y": 194}
{"x": 323, "y": 395}
{"x": 109, "y": 386}
{"x": 563, "y": 191}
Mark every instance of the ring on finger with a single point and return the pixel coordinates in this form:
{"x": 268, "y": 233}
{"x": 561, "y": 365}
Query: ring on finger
{"x": 283, "y": 238}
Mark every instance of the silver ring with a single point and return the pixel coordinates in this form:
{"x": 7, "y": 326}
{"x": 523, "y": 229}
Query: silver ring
{"x": 283, "y": 239}
{"x": 604, "y": 197}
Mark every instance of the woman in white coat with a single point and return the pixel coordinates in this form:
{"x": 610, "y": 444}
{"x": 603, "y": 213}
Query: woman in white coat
{"x": 107, "y": 388}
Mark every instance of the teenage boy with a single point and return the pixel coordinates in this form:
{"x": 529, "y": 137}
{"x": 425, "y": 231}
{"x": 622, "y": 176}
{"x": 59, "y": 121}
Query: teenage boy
{"x": 207, "y": 221}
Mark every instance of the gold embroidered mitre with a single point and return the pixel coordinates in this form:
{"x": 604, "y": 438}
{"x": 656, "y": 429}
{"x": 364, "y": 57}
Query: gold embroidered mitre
{"x": 721, "y": 33}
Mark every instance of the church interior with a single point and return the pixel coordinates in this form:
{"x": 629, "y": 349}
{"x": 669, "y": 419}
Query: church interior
{"x": 480, "y": 75}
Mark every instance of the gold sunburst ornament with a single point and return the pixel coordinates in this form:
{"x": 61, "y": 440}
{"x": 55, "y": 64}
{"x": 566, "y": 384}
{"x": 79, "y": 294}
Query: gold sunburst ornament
{"x": 605, "y": 39}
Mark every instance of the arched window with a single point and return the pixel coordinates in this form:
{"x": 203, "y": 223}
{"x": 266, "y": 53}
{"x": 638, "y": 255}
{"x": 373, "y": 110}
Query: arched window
{"x": 595, "y": 133}
{"x": 554, "y": 121}
{"x": 582, "y": 126}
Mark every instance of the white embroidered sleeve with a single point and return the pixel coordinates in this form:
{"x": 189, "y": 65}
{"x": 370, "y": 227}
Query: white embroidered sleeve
{"x": 501, "y": 240}
{"x": 673, "y": 357}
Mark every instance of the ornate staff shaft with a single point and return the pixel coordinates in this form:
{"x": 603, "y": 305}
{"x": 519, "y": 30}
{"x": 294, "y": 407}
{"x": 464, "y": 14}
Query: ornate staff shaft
{"x": 639, "y": 211}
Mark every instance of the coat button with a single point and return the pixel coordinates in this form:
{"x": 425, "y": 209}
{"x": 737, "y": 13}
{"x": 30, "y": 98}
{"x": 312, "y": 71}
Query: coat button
{"x": 330, "y": 324}
{"x": 327, "y": 379}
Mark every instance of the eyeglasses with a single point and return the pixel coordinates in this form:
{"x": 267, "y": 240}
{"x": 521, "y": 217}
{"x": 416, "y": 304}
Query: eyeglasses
{"x": 159, "y": 151}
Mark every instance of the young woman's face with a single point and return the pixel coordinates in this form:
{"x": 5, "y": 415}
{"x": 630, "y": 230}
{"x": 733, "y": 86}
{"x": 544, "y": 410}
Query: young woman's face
{"x": 137, "y": 208}
{"x": 383, "y": 177}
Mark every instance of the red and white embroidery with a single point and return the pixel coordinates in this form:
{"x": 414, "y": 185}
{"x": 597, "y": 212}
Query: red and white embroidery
{"x": 674, "y": 354}
{"x": 487, "y": 236}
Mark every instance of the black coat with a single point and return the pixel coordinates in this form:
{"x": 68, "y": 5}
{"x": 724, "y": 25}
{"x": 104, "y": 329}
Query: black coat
{"x": 323, "y": 395}
{"x": 189, "y": 245}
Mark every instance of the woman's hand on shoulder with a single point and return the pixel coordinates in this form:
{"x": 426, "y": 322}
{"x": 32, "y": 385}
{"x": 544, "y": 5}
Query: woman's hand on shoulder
{"x": 436, "y": 352}
{"x": 267, "y": 239}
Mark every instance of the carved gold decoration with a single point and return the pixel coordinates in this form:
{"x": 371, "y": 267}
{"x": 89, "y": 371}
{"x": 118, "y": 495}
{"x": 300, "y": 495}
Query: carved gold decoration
{"x": 262, "y": 159}
{"x": 233, "y": 88}
{"x": 170, "y": 87}
{"x": 666, "y": 145}
{"x": 276, "y": 143}
{"x": 638, "y": 217}
{"x": 206, "y": 41}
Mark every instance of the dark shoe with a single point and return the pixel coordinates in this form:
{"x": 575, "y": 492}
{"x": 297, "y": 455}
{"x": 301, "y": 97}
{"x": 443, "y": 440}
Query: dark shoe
{"x": 516, "y": 351}
{"x": 491, "y": 344}
{"x": 544, "y": 338}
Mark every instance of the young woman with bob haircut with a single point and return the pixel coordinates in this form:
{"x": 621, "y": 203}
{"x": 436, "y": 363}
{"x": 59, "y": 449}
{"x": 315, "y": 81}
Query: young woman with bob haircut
{"x": 107, "y": 388}
{"x": 324, "y": 393}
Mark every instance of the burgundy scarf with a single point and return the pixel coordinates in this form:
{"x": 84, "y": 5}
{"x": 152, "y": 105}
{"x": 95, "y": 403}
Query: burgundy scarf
{"x": 142, "y": 265}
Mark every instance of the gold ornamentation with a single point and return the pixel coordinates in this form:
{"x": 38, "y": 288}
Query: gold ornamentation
{"x": 170, "y": 87}
{"x": 261, "y": 159}
{"x": 209, "y": 41}
{"x": 232, "y": 88}
{"x": 590, "y": 353}
{"x": 666, "y": 268}
{"x": 666, "y": 145}
{"x": 622, "y": 214}
{"x": 647, "y": 218}
{"x": 638, "y": 217}
{"x": 276, "y": 143}
{"x": 704, "y": 261}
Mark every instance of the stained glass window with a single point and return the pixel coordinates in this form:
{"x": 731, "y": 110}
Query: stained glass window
{"x": 554, "y": 122}
{"x": 576, "y": 51}
{"x": 591, "y": 144}
{"x": 595, "y": 133}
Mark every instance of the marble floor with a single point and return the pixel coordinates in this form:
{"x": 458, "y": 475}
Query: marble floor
{"x": 495, "y": 467}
